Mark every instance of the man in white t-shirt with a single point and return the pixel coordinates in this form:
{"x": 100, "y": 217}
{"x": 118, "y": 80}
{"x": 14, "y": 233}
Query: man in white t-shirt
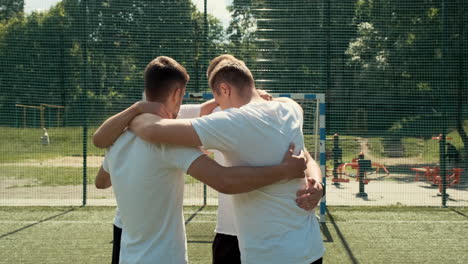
{"x": 269, "y": 225}
{"x": 148, "y": 179}
{"x": 103, "y": 180}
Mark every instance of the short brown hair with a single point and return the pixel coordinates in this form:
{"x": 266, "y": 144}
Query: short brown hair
{"x": 160, "y": 74}
{"x": 231, "y": 70}
{"x": 214, "y": 62}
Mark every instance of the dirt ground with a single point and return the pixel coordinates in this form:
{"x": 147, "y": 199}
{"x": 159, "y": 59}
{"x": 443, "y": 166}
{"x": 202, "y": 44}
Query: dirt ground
{"x": 379, "y": 193}
{"x": 68, "y": 161}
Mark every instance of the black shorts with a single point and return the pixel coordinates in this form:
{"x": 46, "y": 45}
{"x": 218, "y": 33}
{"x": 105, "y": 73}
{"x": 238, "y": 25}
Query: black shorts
{"x": 225, "y": 249}
{"x": 318, "y": 261}
{"x": 116, "y": 245}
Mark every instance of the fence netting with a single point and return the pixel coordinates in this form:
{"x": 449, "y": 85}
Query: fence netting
{"x": 393, "y": 72}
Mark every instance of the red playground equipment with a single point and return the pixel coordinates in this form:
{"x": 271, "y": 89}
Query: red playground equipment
{"x": 355, "y": 166}
{"x": 339, "y": 168}
{"x": 432, "y": 174}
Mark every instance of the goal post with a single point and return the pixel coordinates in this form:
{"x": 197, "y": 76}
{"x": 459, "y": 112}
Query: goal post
{"x": 313, "y": 128}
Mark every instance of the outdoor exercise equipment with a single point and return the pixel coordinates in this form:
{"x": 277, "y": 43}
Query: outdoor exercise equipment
{"x": 59, "y": 109}
{"x": 438, "y": 175}
{"x": 25, "y": 107}
{"x": 337, "y": 161}
{"x": 364, "y": 166}
{"x": 339, "y": 168}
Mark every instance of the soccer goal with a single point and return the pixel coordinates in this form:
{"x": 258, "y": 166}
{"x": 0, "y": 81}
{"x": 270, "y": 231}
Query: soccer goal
{"x": 314, "y": 138}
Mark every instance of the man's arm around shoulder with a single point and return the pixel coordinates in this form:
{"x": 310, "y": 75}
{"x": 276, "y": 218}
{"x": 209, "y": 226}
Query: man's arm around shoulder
{"x": 155, "y": 129}
{"x": 233, "y": 180}
{"x": 113, "y": 127}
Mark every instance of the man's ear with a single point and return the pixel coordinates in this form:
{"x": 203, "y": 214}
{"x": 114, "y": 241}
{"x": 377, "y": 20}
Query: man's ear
{"x": 225, "y": 89}
{"x": 176, "y": 95}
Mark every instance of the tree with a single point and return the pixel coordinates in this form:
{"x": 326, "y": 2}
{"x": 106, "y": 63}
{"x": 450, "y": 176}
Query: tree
{"x": 9, "y": 8}
{"x": 402, "y": 55}
{"x": 91, "y": 54}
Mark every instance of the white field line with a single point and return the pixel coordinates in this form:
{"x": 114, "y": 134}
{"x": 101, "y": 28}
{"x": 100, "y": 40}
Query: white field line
{"x": 205, "y": 221}
{"x": 81, "y": 222}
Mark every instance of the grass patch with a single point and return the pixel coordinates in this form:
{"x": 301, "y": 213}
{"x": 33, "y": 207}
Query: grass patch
{"x": 46, "y": 176}
{"x": 20, "y": 144}
{"x": 54, "y": 176}
{"x": 395, "y": 234}
{"x": 376, "y": 147}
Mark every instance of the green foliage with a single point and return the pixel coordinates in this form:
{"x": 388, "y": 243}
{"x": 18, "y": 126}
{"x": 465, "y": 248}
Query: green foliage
{"x": 386, "y": 66}
{"x": 91, "y": 59}
{"x": 376, "y": 147}
{"x": 400, "y": 53}
{"x": 10, "y": 8}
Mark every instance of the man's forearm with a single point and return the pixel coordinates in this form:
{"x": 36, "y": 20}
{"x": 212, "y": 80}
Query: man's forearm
{"x": 155, "y": 129}
{"x": 208, "y": 107}
{"x": 245, "y": 179}
{"x": 233, "y": 180}
{"x": 313, "y": 169}
{"x": 113, "y": 127}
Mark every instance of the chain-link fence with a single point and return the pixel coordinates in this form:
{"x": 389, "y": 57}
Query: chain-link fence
{"x": 393, "y": 72}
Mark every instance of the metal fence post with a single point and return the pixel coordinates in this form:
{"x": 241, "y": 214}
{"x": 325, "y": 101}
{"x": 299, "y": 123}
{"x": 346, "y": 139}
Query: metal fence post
{"x": 443, "y": 168}
{"x": 361, "y": 174}
{"x": 84, "y": 102}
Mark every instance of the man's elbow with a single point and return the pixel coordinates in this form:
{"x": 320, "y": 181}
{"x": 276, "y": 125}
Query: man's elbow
{"x": 225, "y": 189}
{"x": 100, "y": 185}
{"x": 98, "y": 142}
{"x": 227, "y": 186}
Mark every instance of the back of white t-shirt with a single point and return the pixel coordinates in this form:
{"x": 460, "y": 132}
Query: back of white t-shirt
{"x": 271, "y": 227}
{"x": 148, "y": 182}
{"x": 225, "y": 219}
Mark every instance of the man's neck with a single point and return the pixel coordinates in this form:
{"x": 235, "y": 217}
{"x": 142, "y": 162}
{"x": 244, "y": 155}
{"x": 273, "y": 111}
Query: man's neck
{"x": 247, "y": 98}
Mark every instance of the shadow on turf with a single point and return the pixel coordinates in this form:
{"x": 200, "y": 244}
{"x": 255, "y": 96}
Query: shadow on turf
{"x": 38, "y": 222}
{"x": 190, "y": 219}
{"x": 352, "y": 258}
{"x": 458, "y": 212}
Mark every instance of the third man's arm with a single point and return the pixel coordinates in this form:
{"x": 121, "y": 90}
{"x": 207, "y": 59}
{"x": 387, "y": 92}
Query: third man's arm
{"x": 233, "y": 180}
{"x": 155, "y": 129}
{"x": 103, "y": 179}
{"x": 114, "y": 126}
{"x": 309, "y": 196}
{"x": 313, "y": 172}
{"x": 207, "y": 107}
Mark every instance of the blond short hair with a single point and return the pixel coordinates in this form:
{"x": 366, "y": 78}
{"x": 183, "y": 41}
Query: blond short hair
{"x": 226, "y": 68}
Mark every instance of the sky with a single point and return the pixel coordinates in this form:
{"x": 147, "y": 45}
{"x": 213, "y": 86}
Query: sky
{"x": 215, "y": 7}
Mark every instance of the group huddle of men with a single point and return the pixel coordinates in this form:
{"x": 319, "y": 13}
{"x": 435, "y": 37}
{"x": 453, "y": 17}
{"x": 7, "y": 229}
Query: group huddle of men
{"x": 267, "y": 181}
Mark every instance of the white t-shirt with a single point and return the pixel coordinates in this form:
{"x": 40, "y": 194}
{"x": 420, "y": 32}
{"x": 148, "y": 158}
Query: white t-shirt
{"x": 271, "y": 227}
{"x": 148, "y": 181}
{"x": 225, "y": 220}
{"x": 117, "y": 220}
{"x": 189, "y": 111}
{"x": 186, "y": 111}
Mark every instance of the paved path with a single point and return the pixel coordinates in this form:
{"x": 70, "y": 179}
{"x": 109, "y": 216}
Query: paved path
{"x": 380, "y": 193}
